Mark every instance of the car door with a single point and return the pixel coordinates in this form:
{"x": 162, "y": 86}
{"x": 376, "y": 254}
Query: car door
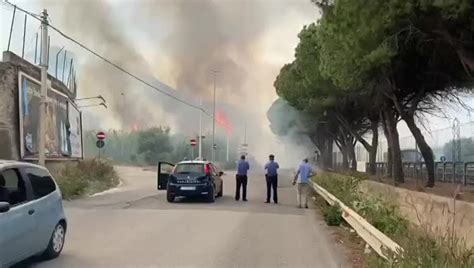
{"x": 18, "y": 225}
{"x": 47, "y": 204}
{"x": 164, "y": 171}
{"x": 217, "y": 179}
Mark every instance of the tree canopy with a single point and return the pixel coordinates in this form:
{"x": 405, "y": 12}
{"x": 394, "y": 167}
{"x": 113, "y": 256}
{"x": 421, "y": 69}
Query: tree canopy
{"x": 370, "y": 62}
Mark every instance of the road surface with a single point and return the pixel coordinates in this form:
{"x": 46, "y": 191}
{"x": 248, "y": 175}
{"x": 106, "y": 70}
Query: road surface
{"x": 134, "y": 226}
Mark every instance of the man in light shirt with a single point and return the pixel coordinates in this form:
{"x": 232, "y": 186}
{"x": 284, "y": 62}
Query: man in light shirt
{"x": 302, "y": 177}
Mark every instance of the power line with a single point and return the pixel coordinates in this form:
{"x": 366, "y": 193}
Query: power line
{"x": 112, "y": 63}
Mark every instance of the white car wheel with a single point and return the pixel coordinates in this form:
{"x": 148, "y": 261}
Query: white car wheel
{"x": 58, "y": 238}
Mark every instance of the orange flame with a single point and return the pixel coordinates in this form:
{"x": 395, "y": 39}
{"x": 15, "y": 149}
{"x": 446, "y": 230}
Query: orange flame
{"x": 224, "y": 122}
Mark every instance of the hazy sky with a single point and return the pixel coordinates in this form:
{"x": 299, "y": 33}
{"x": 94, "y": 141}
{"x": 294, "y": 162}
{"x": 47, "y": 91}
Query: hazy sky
{"x": 180, "y": 42}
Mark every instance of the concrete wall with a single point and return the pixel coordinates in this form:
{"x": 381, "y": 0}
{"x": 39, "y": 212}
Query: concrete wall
{"x": 436, "y": 213}
{"x": 9, "y": 120}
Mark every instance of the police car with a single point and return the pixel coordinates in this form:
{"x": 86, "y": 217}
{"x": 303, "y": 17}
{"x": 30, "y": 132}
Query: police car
{"x": 197, "y": 178}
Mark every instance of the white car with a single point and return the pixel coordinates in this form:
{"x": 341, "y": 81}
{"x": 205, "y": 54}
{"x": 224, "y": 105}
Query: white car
{"x": 32, "y": 220}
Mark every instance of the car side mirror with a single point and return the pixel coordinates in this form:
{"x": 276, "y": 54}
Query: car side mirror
{"x": 221, "y": 173}
{"x": 4, "y": 207}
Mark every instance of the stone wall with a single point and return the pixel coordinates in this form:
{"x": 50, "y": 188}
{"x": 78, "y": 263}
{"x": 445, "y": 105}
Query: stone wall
{"x": 436, "y": 213}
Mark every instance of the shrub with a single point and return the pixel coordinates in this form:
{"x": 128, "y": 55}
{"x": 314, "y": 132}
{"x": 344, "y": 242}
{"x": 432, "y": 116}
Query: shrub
{"x": 381, "y": 215}
{"x": 86, "y": 177}
{"x": 421, "y": 249}
{"x": 332, "y": 215}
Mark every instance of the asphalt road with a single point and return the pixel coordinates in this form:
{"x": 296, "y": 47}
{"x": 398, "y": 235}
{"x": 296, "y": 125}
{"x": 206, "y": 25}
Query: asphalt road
{"x": 134, "y": 226}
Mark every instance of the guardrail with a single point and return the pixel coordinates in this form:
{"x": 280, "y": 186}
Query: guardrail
{"x": 377, "y": 240}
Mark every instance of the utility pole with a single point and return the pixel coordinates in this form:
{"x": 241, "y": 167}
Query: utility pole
{"x": 245, "y": 132}
{"x": 44, "y": 88}
{"x": 213, "y": 155}
{"x": 200, "y": 129}
{"x": 227, "y": 150}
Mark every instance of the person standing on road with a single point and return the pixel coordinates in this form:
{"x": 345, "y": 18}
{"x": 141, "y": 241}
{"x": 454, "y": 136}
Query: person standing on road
{"x": 271, "y": 177}
{"x": 241, "y": 178}
{"x": 302, "y": 190}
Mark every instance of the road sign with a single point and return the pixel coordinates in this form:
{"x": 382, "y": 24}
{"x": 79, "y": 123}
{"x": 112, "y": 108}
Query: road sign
{"x": 193, "y": 142}
{"x": 100, "y": 144}
{"x": 442, "y": 158}
{"x": 100, "y": 135}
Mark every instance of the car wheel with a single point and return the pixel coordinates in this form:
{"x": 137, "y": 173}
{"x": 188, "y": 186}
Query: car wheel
{"x": 221, "y": 192}
{"x": 169, "y": 197}
{"x": 211, "y": 196}
{"x": 56, "y": 243}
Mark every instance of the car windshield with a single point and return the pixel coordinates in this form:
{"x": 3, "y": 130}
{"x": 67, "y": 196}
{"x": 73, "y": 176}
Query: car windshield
{"x": 189, "y": 168}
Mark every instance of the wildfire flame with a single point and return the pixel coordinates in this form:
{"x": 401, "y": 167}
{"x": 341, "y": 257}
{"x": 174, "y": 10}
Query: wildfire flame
{"x": 224, "y": 122}
{"x": 135, "y": 128}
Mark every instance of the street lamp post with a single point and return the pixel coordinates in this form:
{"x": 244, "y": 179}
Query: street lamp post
{"x": 200, "y": 130}
{"x": 213, "y": 152}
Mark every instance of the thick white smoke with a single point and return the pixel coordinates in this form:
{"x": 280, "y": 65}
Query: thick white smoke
{"x": 181, "y": 42}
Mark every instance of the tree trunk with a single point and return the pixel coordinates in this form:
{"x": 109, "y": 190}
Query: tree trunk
{"x": 397, "y": 167}
{"x": 352, "y": 156}
{"x": 345, "y": 159}
{"x": 389, "y": 147}
{"x": 329, "y": 150}
{"x": 373, "y": 148}
{"x": 425, "y": 149}
{"x": 345, "y": 154}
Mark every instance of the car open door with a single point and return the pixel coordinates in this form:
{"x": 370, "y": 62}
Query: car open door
{"x": 164, "y": 171}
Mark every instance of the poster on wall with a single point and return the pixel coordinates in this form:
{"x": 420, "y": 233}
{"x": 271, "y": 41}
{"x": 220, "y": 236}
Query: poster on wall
{"x": 58, "y": 125}
{"x": 75, "y": 130}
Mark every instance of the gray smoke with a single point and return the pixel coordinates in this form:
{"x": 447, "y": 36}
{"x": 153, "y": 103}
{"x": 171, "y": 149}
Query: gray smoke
{"x": 288, "y": 124}
{"x": 183, "y": 42}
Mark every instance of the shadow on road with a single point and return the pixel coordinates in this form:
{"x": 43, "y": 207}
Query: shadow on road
{"x": 226, "y": 203}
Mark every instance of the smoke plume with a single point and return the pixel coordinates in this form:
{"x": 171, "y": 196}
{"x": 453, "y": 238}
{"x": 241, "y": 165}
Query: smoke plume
{"x": 184, "y": 43}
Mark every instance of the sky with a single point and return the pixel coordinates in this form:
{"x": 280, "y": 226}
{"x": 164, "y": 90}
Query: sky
{"x": 181, "y": 43}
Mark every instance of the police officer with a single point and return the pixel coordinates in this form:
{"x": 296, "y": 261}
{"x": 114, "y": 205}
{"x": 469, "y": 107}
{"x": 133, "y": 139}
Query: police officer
{"x": 271, "y": 177}
{"x": 241, "y": 178}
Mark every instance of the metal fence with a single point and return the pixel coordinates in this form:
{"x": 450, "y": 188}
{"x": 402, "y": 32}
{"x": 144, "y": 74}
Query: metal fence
{"x": 25, "y": 41}
{"x": 455, "y": 172}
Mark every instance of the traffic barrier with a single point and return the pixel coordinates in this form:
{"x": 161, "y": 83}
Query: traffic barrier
{"x": 377, "y": 240}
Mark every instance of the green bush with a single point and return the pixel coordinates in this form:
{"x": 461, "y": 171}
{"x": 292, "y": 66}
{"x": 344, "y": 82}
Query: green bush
{"x": 421, "y": 249}
{"x": 381, "y": 215}
{"x": 86, "y": 177}
{"x": 332, "y": 215}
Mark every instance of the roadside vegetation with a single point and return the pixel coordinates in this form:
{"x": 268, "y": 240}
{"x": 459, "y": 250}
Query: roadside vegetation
{"x": 421, "y": 248}
{"x": 86, "y": 177}
{"x": 145, "y": 147}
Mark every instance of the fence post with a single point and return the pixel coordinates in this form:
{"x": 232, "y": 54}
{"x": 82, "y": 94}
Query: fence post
{"x": 444, "y": 171}
{"x": 11, "y": 29}
{"x": 454, "y": 172}
{"x": 24, "y": 35}
{"x": 464, "y": 175}
{"x": 36, "y": 46}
